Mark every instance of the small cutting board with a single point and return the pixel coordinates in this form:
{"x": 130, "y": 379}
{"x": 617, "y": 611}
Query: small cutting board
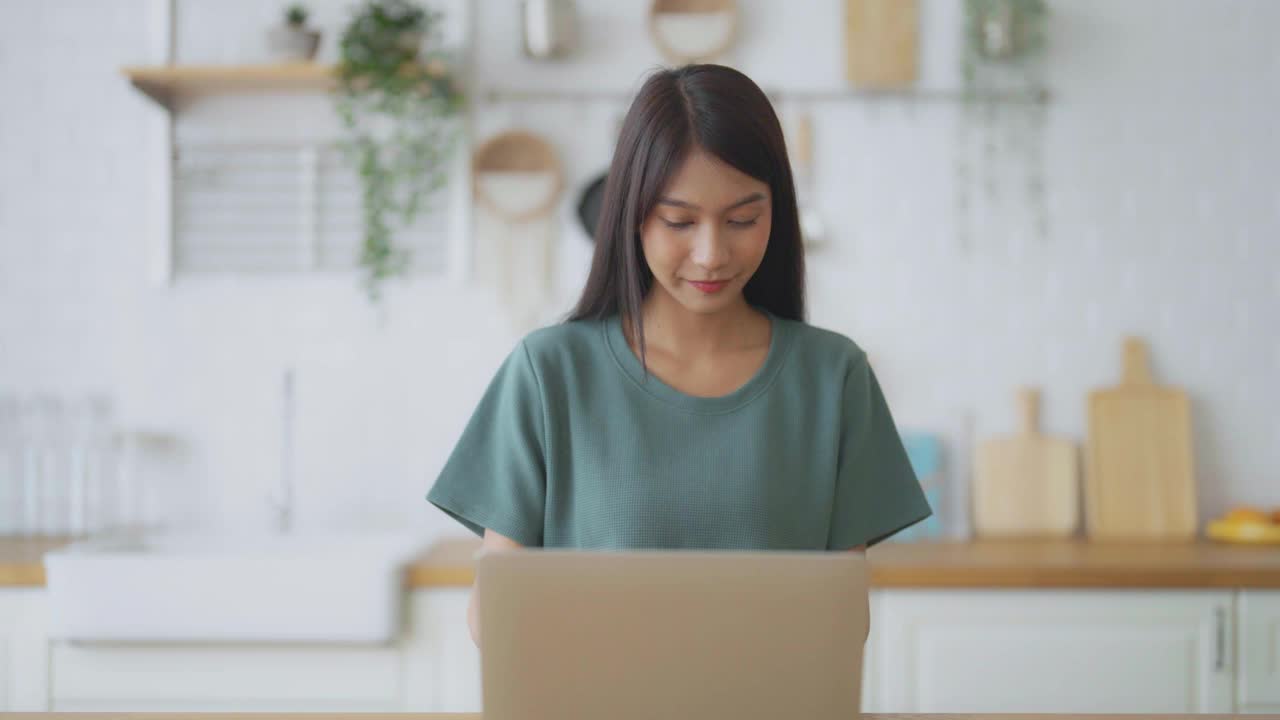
{"x": 1140, "y": 474}
{"x": 881, "y": 39}
{"x": 1026, "y": 485}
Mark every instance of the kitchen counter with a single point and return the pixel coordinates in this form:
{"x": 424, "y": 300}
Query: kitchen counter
{"x": 996, "y": 564}
{"x": 978, "y": 564}
{"x": 21, "y": 560}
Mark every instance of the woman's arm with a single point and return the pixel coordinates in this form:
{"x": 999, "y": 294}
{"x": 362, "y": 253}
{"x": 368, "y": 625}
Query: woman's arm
{"x": 491, "y": 541}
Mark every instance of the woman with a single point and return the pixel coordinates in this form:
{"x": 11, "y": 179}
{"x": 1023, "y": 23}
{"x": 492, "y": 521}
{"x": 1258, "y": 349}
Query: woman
{"x": 685, "y": 403}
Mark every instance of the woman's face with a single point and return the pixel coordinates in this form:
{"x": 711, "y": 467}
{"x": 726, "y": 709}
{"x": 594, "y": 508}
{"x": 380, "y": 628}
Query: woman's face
{"x": 707, "y": 234}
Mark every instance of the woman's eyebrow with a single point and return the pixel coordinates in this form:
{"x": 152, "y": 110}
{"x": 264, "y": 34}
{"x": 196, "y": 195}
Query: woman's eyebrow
{"x": 681, "y": 203}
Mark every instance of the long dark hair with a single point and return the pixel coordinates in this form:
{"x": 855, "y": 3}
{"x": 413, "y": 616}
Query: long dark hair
{"x": 722, "y": 111}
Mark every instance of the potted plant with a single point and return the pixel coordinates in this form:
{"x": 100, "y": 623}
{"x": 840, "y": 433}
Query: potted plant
{"x": 1005, "y": 29}
{"x": 397, "y": 98}
{"x": 294, "y": 42}
{"x": 1004, "y": 111}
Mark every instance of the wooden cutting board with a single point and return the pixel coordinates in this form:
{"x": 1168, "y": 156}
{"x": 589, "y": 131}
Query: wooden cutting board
{"x": 1140, "y": 474}
{"x": 1026, "y": 485}
{"x": 880, "y": 42}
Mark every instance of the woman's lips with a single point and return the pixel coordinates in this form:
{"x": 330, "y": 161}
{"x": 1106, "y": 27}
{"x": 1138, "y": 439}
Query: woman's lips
{"x": 709, "y": 287}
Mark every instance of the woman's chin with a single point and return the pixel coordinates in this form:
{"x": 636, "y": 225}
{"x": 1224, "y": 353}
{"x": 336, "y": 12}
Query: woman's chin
{"x": 697, "y": 301}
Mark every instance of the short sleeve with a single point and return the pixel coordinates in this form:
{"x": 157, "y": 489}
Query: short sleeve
{"x": 496, "y": 475}
{"x": 877, "y": 492}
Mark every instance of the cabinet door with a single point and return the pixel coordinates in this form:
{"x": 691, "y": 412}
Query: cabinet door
{"x": 1055, "y": 651}
{"x": 442, "y": 663}
{"x": 24, "y": 680}
{"x": 1259, "y": 676}
{"x": 118, "y": 677}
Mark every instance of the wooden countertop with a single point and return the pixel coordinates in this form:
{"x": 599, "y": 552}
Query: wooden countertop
{"x": 980, "y": 564}
{"x": 1074, "y": 564}
{"x": 476, "y": 716}
{"x": 996, "y": 564}
{"x": 21, "y": 560}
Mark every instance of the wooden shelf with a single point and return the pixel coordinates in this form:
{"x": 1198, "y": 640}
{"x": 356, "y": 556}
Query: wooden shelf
{"x": 1012, "y": 96}
{"x": 165, "y": 83}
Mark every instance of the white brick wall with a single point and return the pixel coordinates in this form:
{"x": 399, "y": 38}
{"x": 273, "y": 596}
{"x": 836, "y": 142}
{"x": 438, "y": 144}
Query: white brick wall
{"x": 1163, "y": 196}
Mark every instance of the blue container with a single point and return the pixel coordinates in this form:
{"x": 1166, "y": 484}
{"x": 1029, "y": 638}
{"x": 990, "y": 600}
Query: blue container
{"x": 924, "y": 450}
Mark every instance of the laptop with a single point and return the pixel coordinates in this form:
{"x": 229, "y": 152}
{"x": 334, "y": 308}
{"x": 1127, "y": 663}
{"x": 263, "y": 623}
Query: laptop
{"x": 585, "y": 635}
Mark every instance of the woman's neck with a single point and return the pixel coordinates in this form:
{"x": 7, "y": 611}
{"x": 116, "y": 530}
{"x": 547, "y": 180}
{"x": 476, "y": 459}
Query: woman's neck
{"x": 672, "y": 328}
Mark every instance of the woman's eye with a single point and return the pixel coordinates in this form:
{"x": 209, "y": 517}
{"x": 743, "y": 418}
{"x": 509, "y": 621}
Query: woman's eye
{"x": 685, "y": 224}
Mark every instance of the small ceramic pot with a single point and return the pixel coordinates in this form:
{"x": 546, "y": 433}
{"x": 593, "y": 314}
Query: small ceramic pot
{"x": 293, "y": 44}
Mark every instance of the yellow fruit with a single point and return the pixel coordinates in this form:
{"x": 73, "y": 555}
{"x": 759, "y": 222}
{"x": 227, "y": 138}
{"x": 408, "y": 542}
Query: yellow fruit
{"x": 1246, "y": 514}
{"x": 1275, "y": 516}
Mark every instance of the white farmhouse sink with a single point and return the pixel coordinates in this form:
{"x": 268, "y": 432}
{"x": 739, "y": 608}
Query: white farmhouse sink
{"x": 332, "y": 588}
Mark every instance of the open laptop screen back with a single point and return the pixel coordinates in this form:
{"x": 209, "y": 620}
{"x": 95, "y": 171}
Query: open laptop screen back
{"x": 573, "y": 635}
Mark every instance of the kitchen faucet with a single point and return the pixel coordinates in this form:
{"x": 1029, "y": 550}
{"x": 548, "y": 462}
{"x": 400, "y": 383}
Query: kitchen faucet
{"x": 282, "y": 500}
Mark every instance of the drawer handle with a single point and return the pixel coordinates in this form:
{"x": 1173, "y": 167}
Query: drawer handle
{"x": 1220, "y": 639}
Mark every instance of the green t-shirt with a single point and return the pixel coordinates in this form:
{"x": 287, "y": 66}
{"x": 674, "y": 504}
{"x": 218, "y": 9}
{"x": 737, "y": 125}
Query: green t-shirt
{"x": 572, "y": 446}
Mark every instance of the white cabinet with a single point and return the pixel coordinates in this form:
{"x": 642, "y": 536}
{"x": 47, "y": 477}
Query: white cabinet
{"x": 24, "y": 682}
{"x": 1054, "y": 651}
{"x": 1258, "y": 676}
{"x": 101, "y": 677}
{"x": 435, "y": 667}
{"x": 929, "y": 651}
{"x": 443, "y": 664}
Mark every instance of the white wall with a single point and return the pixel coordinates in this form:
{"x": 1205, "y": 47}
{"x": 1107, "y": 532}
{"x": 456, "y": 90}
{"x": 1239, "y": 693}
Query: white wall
{"x": 1163, "y": 197}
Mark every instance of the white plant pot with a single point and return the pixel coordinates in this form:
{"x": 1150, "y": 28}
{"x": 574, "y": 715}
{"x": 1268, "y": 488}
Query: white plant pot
{"x": 290, "y": 44}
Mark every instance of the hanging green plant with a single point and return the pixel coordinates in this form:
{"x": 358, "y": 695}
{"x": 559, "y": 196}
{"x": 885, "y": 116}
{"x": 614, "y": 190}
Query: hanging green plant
{"x": 1004, "y": 111}
{"x": 1005, "y": 29}
{"x": 397, "y": 98}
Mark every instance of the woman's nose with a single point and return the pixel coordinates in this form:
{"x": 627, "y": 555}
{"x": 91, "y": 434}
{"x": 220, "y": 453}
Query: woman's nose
{"x": 710, "y": 249}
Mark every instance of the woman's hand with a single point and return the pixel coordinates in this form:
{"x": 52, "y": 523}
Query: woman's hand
{"x": 491, "y": 541}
